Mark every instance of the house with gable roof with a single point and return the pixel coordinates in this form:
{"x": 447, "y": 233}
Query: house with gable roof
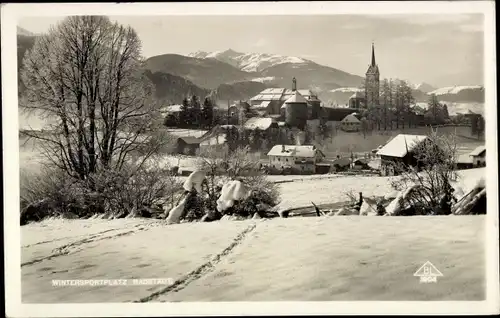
{"x": 299, "y": 159}
{"x": 478, "y": 156}
{"x": 400, "y": 152}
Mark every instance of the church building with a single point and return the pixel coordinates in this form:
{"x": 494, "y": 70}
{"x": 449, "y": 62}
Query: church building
{"x": 372, "y": 83}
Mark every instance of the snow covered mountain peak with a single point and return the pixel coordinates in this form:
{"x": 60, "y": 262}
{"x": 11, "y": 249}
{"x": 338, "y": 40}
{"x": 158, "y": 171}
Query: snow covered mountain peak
{"x": 454, "y": 89}
{"x": 424, "y": 87}
{"x": 249, "y": 62}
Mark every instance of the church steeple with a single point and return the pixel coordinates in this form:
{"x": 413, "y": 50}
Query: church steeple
{"x": 372, "y": 82}
{"x": 372, "y": 67}
{"x": 373, "y": 54}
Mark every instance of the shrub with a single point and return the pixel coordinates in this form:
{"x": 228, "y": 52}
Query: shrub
{"x": 115, "y": 193}
{"x": 432, "y": 178}
{"x": 240, "y": 165}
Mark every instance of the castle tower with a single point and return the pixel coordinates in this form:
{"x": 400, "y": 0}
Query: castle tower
{"x": 294, "y": 84}
{"x": 372, "y": 83}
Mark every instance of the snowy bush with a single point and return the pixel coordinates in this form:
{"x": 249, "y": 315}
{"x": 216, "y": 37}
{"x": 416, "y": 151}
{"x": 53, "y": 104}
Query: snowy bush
{"x": 243, "y": 167}
{"x": 429, "y": 185}
{"x": 132, "y": 190}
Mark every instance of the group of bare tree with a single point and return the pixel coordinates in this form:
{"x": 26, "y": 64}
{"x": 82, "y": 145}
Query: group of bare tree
{"x": 395, "y": 107}
{"x": 87, "y": 76}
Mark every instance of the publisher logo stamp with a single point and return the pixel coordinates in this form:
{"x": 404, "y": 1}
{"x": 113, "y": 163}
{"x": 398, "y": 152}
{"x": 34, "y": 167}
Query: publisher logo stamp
{"x": 428, "y": 273}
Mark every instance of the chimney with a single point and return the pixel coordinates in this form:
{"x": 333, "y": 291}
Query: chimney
{"x": 294, "y": 84}
{"x": 282, "y": 148}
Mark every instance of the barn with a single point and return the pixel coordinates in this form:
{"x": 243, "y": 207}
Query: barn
{"x": 478, "y": 156}
{"x": 400, "y": 152}
{"x": 188, "y": 145}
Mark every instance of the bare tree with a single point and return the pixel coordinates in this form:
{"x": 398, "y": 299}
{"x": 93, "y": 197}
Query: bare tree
{"x": 432, "y": 177}
{"x": 386, "y": 100}
{"x": 86, "y": 75}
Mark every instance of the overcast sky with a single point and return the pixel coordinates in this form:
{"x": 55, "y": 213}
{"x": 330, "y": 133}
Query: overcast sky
{"x": 442, "y": 50}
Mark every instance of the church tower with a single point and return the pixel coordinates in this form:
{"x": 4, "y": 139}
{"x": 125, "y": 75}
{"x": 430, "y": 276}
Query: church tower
{"x": 372, "y": 83}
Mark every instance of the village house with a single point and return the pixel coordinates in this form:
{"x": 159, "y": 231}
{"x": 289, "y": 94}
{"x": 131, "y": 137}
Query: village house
{"x": 215, "y": 137}
{"x": 350, "y": 123}
{"x": 478, "y": 156}
{"x": 357, "y": 100}
{"x": 464, "y": 161}
{"x": 298, "y": 159}
{"x": 187, "y": 146}
{"x": 400, "y": 152}
{"x": 171, "y": 114}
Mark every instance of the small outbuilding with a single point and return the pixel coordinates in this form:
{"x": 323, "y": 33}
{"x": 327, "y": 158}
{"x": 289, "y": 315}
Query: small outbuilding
{"x": 464, "y": 162}
{"x": 350, "y": 123}
{"x": 357, "y": 100}
{"x": 188, "y": 145}
{"x": 478, "y": 156}
{"x": 400, "y": 152}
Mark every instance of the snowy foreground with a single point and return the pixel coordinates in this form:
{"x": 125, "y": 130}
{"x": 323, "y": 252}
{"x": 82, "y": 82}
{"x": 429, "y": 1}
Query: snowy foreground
{"x": 315, "y": 258}
{"x": 321, "y": 258}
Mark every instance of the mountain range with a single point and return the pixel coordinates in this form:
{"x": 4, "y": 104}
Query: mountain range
{"x": 239, "y": 76}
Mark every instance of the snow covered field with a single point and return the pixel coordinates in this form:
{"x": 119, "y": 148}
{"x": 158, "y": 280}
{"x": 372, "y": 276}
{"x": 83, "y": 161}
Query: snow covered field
{"x": 323, "y": 191}
{"x": 327, "y": 258}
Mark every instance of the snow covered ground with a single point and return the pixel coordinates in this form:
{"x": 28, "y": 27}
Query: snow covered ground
{"x": 327, "y": 258}
{"x": 321, "y": 190}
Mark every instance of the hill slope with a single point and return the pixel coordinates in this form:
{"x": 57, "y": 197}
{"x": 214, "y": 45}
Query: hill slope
{"x": 240, "y": 90}
{"x": 24, "y": 43}
{"x": 206, "y": 73}
{"x": 171, "y": 89}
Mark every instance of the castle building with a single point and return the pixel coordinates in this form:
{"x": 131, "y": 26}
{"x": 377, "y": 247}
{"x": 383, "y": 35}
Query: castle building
{"x": 372, "y": 83}
{"x": 271, "y": 100}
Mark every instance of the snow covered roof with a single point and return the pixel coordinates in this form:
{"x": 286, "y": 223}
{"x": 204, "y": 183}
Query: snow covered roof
{"x": 187, "y": 132}
{"x": 216, "y": 139}
{"x": 351, "y": 119}
{"x": 478, "y": 151}
{"x": 258, "y": 123}
{"x": 190, "y": 140}
{"x": 292, "y": 150}
{"x": 400, "y": 145}
{"x": 464, "y": 158}
{"x": 264, "y": 104}
{"x": 171, "y": 109}
{"x": 296, "y": 98}
{"x": 283, "y": 94}
{"x": 357, "y": 95}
